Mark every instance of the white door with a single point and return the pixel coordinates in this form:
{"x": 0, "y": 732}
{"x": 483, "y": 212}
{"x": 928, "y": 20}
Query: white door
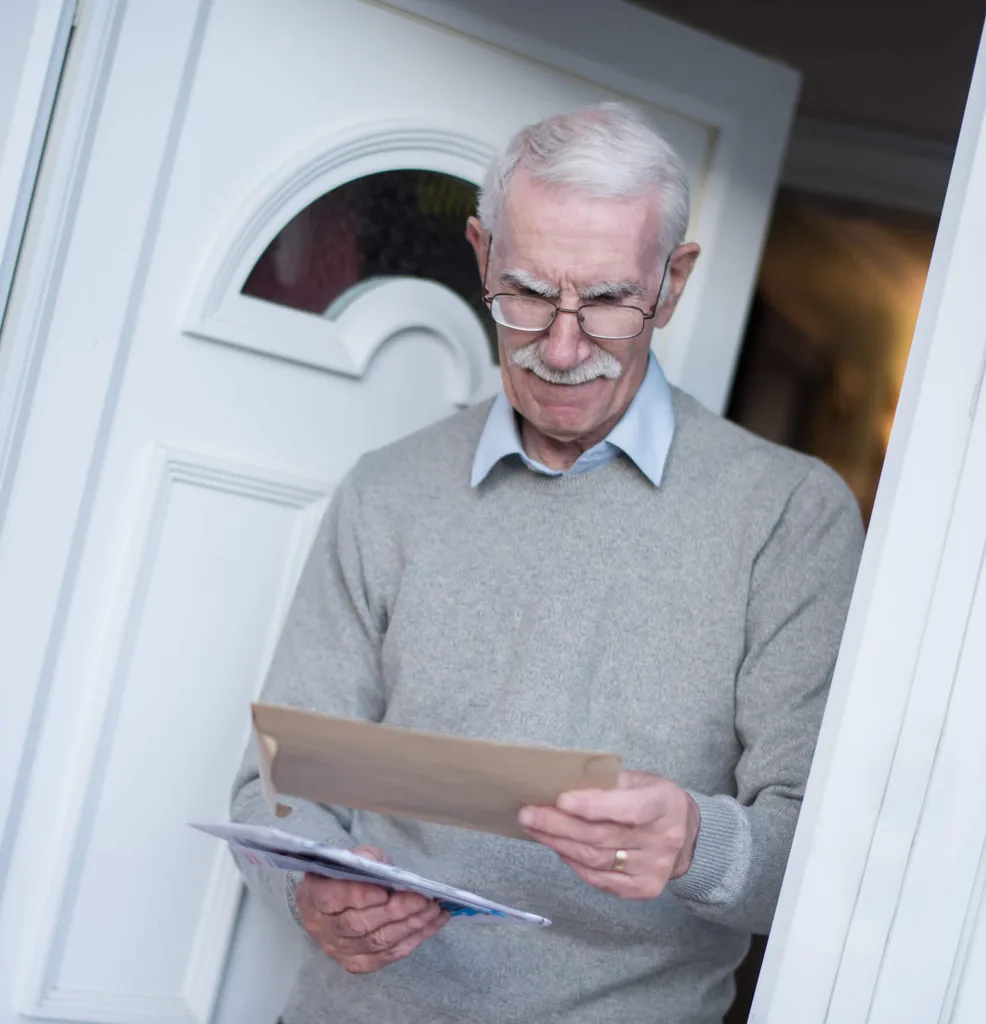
{"x": 251, "y": 272}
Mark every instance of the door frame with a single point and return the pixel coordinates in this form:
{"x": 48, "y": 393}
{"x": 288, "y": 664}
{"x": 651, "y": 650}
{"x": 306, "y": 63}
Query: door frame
{"x": 34, "y": 394}
{"x": 21, "y": 173}
{"x": 851, "y": 941}
{"x": 877, "y": 729}
{"x": 32, "y": 102}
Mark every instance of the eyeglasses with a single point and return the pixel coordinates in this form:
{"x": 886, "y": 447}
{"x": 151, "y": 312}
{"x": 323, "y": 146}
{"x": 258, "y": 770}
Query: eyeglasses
{"x": 601, "y": 322}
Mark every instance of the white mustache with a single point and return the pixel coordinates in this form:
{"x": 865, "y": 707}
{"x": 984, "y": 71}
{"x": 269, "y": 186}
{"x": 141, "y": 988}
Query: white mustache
{"x": 600, "y": 364}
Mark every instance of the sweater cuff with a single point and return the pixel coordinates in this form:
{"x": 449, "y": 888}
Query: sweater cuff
{"x": 291, "y": 882}
{"x": 720, "y": 866}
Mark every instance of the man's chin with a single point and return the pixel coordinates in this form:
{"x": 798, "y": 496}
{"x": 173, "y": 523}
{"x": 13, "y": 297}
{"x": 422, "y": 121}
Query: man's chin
{"x": 564, "y": 421}
{"x": 564, "y": 411}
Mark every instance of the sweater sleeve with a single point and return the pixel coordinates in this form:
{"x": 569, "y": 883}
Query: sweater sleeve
{"x": 327, "y": 659}
{"x": 801, "y": 584}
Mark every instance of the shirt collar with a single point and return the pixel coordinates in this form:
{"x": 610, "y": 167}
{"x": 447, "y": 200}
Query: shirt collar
{"x": 643, "y": 434}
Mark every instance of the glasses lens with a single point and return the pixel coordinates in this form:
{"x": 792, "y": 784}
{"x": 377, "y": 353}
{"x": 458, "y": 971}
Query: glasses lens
{"x": 521, "y": 312}
{"x": 610, "y": 323}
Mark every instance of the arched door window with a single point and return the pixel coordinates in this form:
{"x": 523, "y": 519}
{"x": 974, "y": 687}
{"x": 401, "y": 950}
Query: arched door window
{"x": 400, "y": 223}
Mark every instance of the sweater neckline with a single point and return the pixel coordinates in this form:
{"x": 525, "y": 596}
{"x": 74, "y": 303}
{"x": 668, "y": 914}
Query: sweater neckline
{"x": 619, "y": 472}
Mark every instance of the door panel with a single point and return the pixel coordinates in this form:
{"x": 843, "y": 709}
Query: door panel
{"x": 204, "y": 398}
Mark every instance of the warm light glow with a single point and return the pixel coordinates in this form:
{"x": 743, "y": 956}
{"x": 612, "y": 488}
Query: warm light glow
{"x": 850, "y": 288}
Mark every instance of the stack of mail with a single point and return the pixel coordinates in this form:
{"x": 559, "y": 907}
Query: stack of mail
{"x": 272, "y": 848}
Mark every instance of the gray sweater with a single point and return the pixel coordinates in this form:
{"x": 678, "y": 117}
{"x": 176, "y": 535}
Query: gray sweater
{"x": 691, "y": 628}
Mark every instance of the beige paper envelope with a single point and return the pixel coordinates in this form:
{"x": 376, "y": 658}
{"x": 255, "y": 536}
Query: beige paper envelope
{"x": 427, "y": 776}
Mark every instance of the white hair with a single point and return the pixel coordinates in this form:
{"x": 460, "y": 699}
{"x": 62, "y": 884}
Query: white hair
{"x": 607, "y": 151}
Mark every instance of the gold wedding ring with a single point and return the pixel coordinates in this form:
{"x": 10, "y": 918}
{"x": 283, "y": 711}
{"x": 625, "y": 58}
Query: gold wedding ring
{"x": 620, "y": 863}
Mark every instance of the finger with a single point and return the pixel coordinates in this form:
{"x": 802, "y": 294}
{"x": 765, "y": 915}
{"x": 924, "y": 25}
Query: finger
{"x": 551, "y": 822}
{"x": 368, "y": 962}
{"x": 355, "y": 922}
{"x": 617, "y": 883}
{"x": 592, "y": 857}
{"x": 634, "y": 805}
{"x": 334, "y": 895}
{"x": 392, "y": 933}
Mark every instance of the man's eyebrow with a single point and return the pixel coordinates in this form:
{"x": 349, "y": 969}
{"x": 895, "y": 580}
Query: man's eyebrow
{"x": 530, "y": 283}
{"x": 613, "y": 290}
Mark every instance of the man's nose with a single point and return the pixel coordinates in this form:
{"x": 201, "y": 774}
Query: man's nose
{"x": 565, "y": 345}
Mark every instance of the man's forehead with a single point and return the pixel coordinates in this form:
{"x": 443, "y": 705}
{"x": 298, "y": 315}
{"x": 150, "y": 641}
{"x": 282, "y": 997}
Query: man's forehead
{"x": 555, "y": 231}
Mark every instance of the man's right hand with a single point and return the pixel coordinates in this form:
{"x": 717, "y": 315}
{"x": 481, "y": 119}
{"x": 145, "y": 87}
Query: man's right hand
{"x": 364, "y": 927}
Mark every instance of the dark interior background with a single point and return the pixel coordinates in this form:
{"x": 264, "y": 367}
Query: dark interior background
{"x": 898, "y": 66}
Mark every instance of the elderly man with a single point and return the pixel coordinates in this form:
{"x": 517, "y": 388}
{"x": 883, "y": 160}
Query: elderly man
{"x": 591, "y": 560}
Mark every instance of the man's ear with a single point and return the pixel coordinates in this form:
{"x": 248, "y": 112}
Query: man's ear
{"x": 479, "y": 238}
{"x": 679, "y": 270}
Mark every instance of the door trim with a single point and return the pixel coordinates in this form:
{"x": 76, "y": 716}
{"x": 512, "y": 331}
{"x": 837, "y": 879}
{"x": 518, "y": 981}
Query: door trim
{"x": 23, "y": 144}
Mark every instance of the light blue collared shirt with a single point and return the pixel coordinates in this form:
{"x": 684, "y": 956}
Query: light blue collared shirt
{"x": 643, "y": 434}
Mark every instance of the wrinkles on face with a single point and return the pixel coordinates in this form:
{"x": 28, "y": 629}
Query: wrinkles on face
{"x": 570, "y": 389}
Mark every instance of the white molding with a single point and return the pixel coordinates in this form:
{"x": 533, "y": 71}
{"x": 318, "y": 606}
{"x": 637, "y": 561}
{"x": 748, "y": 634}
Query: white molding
{"x": 117, "y": 1008}
{"x": 41, "y": 995}
{"x": 241, "y": 479}
{"x": 848, "y": 162}
{"x": 209, "y": 947}
{"x": 938, "y": 771}
{"x": 964, "y": 998}
{"x": 220, "y": 312}
{"x": 23, "y": 142}
{"x": 860, "y": 911}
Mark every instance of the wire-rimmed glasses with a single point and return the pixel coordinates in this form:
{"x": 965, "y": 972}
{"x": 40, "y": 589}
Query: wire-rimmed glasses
{"x": 600, "y": 321}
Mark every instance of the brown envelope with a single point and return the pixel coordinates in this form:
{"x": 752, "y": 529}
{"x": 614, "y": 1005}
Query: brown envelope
{"x": 408, "y": 774}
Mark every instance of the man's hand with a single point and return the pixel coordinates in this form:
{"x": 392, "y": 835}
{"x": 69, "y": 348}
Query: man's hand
{"x": 364, "y": 927}
{"x": 653, "y": 820}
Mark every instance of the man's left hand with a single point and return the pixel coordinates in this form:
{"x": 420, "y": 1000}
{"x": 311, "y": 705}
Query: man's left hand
{"x": 653, "y": 821}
